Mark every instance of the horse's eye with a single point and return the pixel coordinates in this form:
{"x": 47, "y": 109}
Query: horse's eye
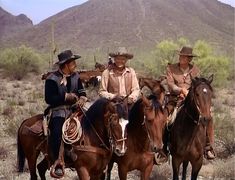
{"x": 115, "y": 120}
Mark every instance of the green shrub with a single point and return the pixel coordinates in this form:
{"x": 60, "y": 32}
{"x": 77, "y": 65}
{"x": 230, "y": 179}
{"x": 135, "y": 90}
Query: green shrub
{"x": 18, "y": 62}
{"x": 208, "y": 61}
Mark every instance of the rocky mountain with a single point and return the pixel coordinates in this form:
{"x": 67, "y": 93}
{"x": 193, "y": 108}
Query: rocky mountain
{"x": 11, "y": 25}
{"x": 99, "y": 24}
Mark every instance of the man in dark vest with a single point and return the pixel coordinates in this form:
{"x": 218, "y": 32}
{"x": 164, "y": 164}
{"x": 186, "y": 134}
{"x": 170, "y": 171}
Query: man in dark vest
{"x": 63, "y": 88}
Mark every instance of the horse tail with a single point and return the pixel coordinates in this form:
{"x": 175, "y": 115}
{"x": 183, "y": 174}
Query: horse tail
{"x": 20, "y": 154}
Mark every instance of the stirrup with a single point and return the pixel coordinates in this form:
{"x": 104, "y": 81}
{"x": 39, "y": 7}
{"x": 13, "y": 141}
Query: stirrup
{"x": 58, "y": 165}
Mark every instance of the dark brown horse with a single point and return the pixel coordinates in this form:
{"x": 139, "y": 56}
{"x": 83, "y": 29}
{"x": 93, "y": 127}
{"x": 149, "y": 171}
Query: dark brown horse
{"x": 100, "y": 67}
{"x": 102, "y": 134}
{"x": 90, "y": 77}
{"x": 144, "y": 137}
{"x": 188, "y": 133}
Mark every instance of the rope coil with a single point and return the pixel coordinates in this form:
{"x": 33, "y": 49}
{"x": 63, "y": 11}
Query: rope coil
{"x": 71, "y": 130}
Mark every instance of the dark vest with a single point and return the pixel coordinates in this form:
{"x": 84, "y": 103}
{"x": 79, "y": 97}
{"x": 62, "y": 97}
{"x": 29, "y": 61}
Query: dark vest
{"x": 63, "y": 110}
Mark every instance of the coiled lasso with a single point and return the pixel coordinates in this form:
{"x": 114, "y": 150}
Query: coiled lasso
{"x": 71, "y": 130}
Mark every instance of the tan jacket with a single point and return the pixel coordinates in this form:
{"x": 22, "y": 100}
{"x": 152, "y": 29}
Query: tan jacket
{"x": 177, "y": 78}
{"x": 124, "y": 85}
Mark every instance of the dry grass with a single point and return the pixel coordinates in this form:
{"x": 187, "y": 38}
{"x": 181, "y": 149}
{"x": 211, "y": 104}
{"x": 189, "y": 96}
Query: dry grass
{"x": 22, "y": 99}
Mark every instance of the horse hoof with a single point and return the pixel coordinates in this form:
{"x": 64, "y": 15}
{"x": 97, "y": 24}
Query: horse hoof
{"x": 160, "y": 159}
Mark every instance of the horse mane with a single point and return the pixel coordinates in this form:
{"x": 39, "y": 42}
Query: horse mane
{"x": 136, "y": 111}
{"x": 95, "y": 112}
{"x": 202, "y": 80}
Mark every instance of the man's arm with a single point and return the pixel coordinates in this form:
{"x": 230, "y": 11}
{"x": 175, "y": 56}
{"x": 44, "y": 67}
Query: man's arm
{"x": 135, "y": 89}
{"x": 103, "y": 92}
{"x": 171, "y": 82}
{"x": 52, "y": 95}
{"x": 81, "y": 90}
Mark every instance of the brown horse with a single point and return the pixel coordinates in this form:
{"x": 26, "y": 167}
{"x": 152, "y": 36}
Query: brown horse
{"x": 102, "y": 134}
{"x": 144, "y": 137}
{"x": 154, "y": 85}
{"x": 100, "y": 67}
{"x": 90, "y": 77}
{"x": 188, "y": 133}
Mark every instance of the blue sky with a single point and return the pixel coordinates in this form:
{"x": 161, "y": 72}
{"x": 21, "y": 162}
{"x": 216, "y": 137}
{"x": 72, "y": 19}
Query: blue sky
{"x": 38, "y": 10}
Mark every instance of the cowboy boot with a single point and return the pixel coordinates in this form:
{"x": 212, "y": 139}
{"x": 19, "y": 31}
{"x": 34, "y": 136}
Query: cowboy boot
{"x": 210, "y": 154}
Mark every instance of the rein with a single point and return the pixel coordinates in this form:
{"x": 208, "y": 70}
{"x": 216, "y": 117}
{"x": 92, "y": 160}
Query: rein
{"x": 145, "y": 125}
{"x": 197, "y": 122}
{"x": 91, "y": 148}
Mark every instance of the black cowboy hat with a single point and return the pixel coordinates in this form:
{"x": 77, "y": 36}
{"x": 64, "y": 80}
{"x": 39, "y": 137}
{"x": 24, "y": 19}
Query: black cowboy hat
{"x": 187, "y": 51}
{"x": 65, "y": 56}
{"x": 121, "y": 51}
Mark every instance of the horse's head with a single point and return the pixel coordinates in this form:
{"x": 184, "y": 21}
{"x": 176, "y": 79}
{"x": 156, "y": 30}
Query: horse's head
{"x": 154, "y": 122}
{"x": 155, "y": 86}
{"x": 116, "y": 128}
{"x": 201, "y": 93}
{"x": 100, "y": 67}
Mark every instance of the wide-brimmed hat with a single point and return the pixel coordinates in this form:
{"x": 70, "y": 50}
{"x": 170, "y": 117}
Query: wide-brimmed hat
{"x": 65, "y": 56}
{"x": 121, "y": 51}
{"x": 187, "y": 51}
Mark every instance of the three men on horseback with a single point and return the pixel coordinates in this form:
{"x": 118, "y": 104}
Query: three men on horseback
{"x": 119, "y": 81}
{"x": 63, "y": 88}
{"x": 179, "y": 79}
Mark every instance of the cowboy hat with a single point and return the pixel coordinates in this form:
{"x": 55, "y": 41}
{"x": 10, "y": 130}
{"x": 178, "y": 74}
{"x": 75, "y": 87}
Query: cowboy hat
{"x": 187, "y": 51}
{"x": 65, "y": 56}
{"x": 121, "y": 51}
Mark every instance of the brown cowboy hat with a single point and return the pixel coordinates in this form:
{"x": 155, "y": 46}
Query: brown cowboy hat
{"x": 187, "y": 51}
{"x": 121, "y": 51}
{"x": 65, "y": 56}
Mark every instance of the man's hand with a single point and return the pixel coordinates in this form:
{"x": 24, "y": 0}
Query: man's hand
{"x": 184, "y": 92}
{"x": 130, "y": 100}
{"x": 71, "y": 98}
{"x": 82, "y": 100}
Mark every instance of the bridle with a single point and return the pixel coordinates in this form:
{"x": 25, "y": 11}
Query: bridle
{"x": 113, "y": 140}
{"x": 146, "y": 126}
{"x": 196, "y": 103}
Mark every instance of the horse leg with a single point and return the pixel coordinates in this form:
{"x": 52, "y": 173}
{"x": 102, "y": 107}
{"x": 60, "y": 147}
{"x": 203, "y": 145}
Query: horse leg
{"x": 32, "y": 165}
{"x": 42, "y": 168}
{"x": 83, "y": 174}
{"x": 175, "y": 166}
{"x": 122, "y": 173}
{"x": 110, "y": 167}
{"x": 184, "y": 173}
{"x": 146, "y": 173}
{"x": 196, "y": 168}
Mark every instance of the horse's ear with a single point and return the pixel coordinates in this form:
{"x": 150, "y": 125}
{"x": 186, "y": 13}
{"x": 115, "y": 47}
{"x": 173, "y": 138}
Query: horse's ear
{"x": 145, "y": 101}
{"x": 210, "y": 79}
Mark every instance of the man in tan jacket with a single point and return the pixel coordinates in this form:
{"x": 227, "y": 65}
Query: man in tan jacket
{"x": 119, "y": 81}
{"x": 179, "y": 79}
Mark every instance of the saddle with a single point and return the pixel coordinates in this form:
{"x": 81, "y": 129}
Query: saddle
{"x": 35, "y": 129}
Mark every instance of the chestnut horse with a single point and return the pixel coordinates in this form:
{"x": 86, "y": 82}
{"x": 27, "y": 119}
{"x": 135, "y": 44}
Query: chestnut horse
{"x": 144, "y": 138}
{"x": 102, "y": 134}
{"x": 188, "y": 133}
